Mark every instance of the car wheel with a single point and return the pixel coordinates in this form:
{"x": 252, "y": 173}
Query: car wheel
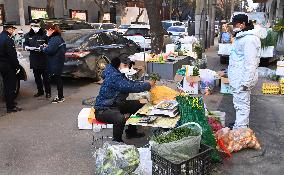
{"x": 101, "y": 64}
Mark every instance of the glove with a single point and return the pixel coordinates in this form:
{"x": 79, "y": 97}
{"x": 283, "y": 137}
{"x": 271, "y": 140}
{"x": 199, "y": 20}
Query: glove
{"x": 245, "y": 88}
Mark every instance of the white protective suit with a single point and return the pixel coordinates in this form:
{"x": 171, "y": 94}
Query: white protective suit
{"x": 243, "y": 71}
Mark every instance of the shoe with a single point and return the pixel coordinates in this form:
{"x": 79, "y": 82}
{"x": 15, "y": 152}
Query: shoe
{"x": 15, "y": 109}
{"x": 38, "y": 94}
{"x": 231, "y": 125}
{"x": 119, "y": 140}
{"x": 134, "y": 135}
{"x": 58, "y": 100}
{"x": 48, "y": 95}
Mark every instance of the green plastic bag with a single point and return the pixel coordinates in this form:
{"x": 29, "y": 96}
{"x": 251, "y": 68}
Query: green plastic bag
{"x": 192, "y": 110}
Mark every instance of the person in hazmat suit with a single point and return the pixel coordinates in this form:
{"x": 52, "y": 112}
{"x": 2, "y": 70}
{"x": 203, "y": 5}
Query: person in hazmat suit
{"x": 243, "y": 67}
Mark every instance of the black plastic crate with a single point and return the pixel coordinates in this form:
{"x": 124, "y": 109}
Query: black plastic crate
{"x": 197, "y": 165}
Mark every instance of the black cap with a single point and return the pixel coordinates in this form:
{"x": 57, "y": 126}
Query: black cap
{"x": 35, "y": 21}
{"x": 9, "y": 25}
{"x": 240, "y": 18}
{"x": 124, "y": 58}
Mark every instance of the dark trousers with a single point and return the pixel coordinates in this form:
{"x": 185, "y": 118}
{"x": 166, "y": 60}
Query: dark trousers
{"x": 9, "y": 81}
{"x": 115, "y": 116}
{"x": 59, "y": 84}
{"x": 41, "y": 79}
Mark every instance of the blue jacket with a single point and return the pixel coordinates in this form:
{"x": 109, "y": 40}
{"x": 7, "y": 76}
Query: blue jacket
{"x": 115, "y": 86}
{"x": 55, "y": 52}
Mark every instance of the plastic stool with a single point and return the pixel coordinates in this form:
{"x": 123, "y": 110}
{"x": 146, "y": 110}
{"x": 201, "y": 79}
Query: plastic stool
{"x": 97, "y": 126}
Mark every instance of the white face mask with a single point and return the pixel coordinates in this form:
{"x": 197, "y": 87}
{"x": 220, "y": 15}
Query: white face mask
{"x": 35, "y": 29}
{"x": 124, "y": 70}
{"x": 237, "y": 29}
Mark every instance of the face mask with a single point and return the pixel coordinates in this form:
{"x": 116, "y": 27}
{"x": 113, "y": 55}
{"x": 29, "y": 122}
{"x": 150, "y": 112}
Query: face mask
{"x": 35, "y": 29}
{"x": 124, "y": 70}
{"x": 237, "y": 29}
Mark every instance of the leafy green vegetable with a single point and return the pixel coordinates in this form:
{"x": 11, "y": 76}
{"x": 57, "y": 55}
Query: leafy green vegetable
{"x": 175, "y": 135}
{"x": 270, "y": 40}
{"x": 195, "y": 71}
{"x": 155, "y": 77}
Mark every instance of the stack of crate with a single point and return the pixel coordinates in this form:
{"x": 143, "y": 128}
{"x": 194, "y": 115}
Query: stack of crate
{"x": 270, "y": 88}
{"x": 281, "y": 80}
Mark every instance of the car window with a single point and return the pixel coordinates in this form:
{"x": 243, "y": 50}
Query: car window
{"x": 100, "y": 39}
{"x": 176, "y": 29}
{"x": 97, "y": 26}
{"x": 124, "y": 26}
{"x": 71, "y": 38}
{"x": 166, "y": 25}
{"x": 138, "y": 31}
{"x": 118, "y": 39}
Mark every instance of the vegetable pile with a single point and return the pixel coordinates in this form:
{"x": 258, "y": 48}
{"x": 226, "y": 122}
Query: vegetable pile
{"x": 215, "y": 124}
{"x": 175, "y": 135}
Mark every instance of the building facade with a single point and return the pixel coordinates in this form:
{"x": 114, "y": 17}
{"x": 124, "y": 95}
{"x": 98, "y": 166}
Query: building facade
{"x": 273, "y": 8}
{"x": 82, "y": 9}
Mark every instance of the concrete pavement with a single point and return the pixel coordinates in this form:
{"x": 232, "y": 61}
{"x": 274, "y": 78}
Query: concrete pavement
{"x": 44, "y": 138}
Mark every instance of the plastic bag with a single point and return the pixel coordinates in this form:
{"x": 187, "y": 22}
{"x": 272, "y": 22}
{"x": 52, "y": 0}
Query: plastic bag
{"x": 114, "y": 158}
{"x": 180, "y": 150}
{"x": 192, "y": 110}
{"x": 264, "y": 72}
{"x": 145, "y": 166}
{"x": 236, "y": 139}
{"x": 160, "y": 93}
{"x": 208, "y": 78}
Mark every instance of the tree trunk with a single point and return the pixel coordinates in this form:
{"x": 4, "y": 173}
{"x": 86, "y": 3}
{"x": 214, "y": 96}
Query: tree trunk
{"x": 156, "y": 29}
{"x": 139, "y": 15}
{"x": 232, "y": 6}
{"x": 102, "y": 10}
{"x": 21, "y": 12}
{"x": 210, "y": 20}
{"x": 213, "y": 22}
{"x": 50, "y": 8}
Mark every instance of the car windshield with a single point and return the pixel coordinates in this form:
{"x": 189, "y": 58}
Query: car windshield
{"x": 108, "y": 26}
{"x": 176, "y": 29}
{"x": 97, "y": 26}
{"x": 124, "y": 26}
{"x": 137, "y": 31}
{"x": 166, "y": 25}
{"x": 74, "y": 38}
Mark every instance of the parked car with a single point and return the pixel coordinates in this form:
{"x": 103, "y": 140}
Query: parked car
{"x": 177, "y": 31}
{"x": 169, "y": 23}
{"x": 68, "y": 24}
{"x": 89, "y": 51}
{"x": 140, "y": 34}
{"x": 123, "y": 28}
{"x": 22, "y": 75}
{"x": 105, "y": 26}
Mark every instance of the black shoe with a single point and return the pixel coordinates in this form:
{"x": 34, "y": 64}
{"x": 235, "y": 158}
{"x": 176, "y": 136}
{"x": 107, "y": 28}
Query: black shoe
{"x": 58, "y": 100}
{"x": 15, "y": 109}
{"x": 38, "y": 94}
{"x": 134, "y": 135}
{"x": 48, "y": 95}
{"x": 231, "y": 125}
{"x": 118, "y": 140}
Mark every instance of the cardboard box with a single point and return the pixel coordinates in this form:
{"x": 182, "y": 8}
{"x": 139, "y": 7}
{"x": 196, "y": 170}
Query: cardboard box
{"x": 189, "y": 84}
{"x": 225, "y": 86}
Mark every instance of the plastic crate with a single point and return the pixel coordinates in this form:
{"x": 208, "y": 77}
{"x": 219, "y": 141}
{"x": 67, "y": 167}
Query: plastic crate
{"x": 197, "y": 165}
{"x": 270, "y": 88}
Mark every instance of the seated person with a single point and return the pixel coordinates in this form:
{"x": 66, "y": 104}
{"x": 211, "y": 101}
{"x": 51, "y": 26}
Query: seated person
{"x": 111, "y": 104}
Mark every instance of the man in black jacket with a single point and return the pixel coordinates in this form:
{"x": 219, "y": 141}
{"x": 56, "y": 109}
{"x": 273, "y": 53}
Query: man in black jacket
{"x": 38, "y": 60}
{"x": 9, "y": 65}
